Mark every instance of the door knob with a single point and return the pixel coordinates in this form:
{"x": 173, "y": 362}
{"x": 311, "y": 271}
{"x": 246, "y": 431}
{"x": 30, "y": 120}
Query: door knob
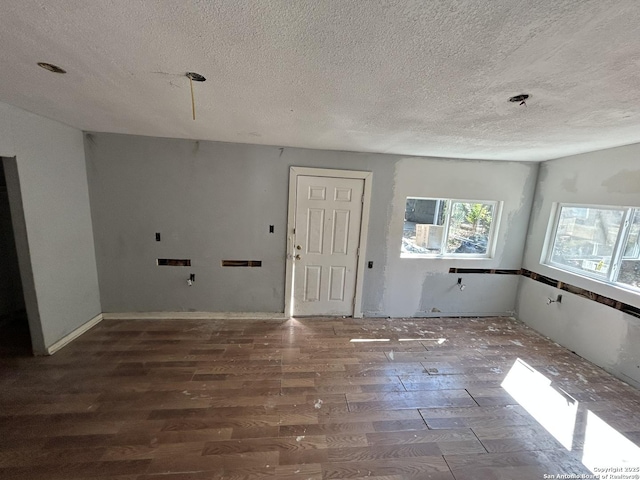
{"x": 298, "y": 247}
{"x": 298, "y": 257}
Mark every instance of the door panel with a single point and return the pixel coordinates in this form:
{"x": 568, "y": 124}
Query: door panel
{"x": 328, "y": 214}
{"x": 315, "y": 231}
{"x": 336, "y": 283}
{"x": 340, "y": 231}
{"x": 312, "y": 283}
{"x": 317, "y": 193}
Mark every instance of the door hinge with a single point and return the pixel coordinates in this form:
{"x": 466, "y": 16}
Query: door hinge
{"x": 358, "y": 252}
{"x": 362, "y": 199}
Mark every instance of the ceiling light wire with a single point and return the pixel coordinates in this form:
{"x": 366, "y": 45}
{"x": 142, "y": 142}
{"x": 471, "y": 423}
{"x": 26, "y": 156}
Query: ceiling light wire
{"x": 192, "y": 76}
{"x": 193, "y": 101}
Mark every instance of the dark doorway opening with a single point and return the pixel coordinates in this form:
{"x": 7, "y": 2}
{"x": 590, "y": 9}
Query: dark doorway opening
{"x": 15, "y": 339}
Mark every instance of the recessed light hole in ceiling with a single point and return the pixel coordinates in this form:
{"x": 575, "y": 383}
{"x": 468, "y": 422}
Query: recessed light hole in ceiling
{"x": 196, "y": 77}
{"x": 51, "y": 67}
{"x": 521, "y": 99}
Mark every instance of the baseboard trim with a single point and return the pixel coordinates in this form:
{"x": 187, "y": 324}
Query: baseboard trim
{"x": 194, "y": 316}
{"x": 507, "y": 314}
{"x": 75, "y": 334}
{"x": 464, "y": 315}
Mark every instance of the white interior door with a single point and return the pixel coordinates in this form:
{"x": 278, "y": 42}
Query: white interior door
{"x": 328, "y": 214}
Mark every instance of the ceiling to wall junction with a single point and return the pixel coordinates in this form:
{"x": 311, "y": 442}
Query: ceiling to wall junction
{"x": 398, "y": 76}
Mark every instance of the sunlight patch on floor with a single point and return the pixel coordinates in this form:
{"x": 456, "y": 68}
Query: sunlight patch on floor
{"x": 605, "y": 447}
{"x": 556, "y": 411}
{"x": 439, "y": 341}
{"x": 363, "y": 340}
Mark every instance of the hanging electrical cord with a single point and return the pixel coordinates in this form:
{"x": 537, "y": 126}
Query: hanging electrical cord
{"x": 194, "y": 77}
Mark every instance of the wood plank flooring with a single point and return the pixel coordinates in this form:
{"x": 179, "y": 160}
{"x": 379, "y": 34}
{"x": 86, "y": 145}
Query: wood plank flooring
{"x": 298, "y": 400}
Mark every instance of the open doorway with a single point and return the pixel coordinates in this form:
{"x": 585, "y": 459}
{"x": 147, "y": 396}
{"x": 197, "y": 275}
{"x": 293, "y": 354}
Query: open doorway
{"x": 14, "y": 327}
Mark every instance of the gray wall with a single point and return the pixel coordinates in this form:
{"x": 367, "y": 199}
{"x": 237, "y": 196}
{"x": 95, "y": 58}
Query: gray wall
{"x": 423, "y": 286}
{"x": 11, "y": 298}
{"x": 213, "y": 201}
{"x": 47, "y": 187}
{"x": 601, "y": 334}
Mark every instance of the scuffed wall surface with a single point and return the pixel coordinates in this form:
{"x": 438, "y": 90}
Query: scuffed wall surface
{"x": 213, "y": 201}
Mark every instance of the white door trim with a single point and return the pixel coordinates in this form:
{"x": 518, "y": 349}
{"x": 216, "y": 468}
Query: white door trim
{"x": 294, "y": 172}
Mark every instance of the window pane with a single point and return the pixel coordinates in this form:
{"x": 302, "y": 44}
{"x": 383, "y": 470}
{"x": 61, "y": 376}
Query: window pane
{"x": 423, "y": 225}
{"x": 629, "y": 273}
{"x": 585, "y": 238}
{"x": 469, "y": 227}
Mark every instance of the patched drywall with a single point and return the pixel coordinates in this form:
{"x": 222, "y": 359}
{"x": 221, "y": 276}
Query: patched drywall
{"x": 212, "y": 201}
{"x": 597, "y": 178}
{"x": 488, "y": 294}
{"x": 626, "y": 181}
{"x": 599, "y": 333}
{"x": 47, "y": 189}
{"x": 417, "y": 286}
{"x": 605, "y": 336}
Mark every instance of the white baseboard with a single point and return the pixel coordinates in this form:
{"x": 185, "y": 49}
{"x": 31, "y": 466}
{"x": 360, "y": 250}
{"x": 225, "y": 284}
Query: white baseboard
{"x": 194, "y": 316}
{"x": 463, "y": 315}
{"x": 75, "y": 334}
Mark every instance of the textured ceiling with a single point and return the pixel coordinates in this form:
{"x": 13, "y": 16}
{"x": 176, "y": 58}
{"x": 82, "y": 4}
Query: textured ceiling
{"x": 397, "y": 76}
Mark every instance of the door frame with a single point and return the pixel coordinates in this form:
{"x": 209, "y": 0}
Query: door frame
{"x": 294, "y": 172}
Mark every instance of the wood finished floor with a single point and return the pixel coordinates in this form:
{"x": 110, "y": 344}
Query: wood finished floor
{"x": 296, "y": 400}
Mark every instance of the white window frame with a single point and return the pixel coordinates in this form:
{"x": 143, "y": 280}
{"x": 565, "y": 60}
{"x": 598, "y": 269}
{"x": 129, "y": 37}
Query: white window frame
{"x": 491, "y": 241}
{"x": 616, "y": 257}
